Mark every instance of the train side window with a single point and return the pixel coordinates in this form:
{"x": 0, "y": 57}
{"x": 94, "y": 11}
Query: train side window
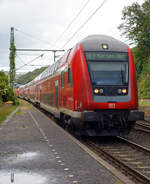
{"x": 62, "y": 79}
{"x": 49, "y": 85}
{"x": 70, "y": 76}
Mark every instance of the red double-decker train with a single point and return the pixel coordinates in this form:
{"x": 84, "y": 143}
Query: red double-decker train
{"x": 92, "y": 89}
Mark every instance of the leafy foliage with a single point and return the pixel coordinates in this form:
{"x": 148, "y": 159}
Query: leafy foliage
{"x": 136, "y": 24}
{"x": 141, "y": 61}
{"x": 23, "y": 79}
{"x": 6, "y": 92}
{"x": 136, "y": 27}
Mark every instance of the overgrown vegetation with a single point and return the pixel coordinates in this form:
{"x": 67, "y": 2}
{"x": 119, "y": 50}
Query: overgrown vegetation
{"x": 5, "y": 110}
{"x": 143, "y": 103}
{"x": 136, "y": 27}
{"x": 6, "y": 92}
{"x": 23, "y": 79}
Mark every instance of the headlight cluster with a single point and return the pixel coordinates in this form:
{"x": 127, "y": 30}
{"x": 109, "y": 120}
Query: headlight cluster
{"x": 122, "y": 91}
{"x": 96, "y": 91}
{"x": 116, "y": 91}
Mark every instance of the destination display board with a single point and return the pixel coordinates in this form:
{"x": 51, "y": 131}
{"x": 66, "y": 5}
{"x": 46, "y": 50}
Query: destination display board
{"x": 109, "y": 56}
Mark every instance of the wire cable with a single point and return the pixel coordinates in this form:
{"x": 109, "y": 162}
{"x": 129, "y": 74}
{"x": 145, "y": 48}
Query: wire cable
{"x": 33, "y": 37}
{"x": 72, "y": 21}
{"x": 87, "y": 20}
{"x": 29, "y": 62}
{"x": 20, "y": 58}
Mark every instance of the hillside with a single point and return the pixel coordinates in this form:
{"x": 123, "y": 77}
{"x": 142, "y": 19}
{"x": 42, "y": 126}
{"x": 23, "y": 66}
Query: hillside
{"x": 23, "y": 79}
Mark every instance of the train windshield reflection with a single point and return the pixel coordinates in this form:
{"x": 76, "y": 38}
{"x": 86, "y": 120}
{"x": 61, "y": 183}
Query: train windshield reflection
{"x": 108, "y": 73}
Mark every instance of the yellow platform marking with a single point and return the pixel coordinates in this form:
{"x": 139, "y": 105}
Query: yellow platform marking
{"x": 111, "y": 149}
{"x": 128, "y": 159}
{"x": 143, "y": 167}
{"x": 122, "y": 155}
{"x": 117, "y": 152}
{"x": 136, "y": 163}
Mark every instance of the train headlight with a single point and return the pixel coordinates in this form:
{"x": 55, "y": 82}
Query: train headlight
{"x": 124, "y": 91}
{"x": 96, "y": 91}
{"x": 101, "y": 91}
{"x": 119, "y": 91}
{"x": 105, "y": 46}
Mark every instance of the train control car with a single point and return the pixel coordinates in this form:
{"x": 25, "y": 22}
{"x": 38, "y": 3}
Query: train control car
{"x": 92, "y": 89}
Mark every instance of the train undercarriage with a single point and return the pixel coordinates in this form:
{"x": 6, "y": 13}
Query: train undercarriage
{"x": 99, "y": 122}
{"x": 104, "y": 122}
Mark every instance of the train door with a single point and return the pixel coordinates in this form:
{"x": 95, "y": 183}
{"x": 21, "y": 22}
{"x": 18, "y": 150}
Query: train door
{"x": 56, "y": 93}
{"x": 35, "y": 93}
{"x": 38, "y": 93}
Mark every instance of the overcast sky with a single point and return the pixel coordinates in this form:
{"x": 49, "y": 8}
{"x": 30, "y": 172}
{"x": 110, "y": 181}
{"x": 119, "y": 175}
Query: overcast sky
{"x": 40, "y": 24}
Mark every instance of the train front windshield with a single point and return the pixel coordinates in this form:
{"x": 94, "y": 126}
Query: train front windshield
{"x": 108, "y": 68}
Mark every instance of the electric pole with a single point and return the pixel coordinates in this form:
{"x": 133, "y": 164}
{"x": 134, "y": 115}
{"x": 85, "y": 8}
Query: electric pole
{"x": 12, "y": 72}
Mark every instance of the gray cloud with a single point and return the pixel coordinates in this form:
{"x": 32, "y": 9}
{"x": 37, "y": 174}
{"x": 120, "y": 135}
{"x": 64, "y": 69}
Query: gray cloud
{"x": 46, "y": 19}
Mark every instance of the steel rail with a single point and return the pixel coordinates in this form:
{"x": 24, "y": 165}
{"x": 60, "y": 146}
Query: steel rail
{"x": 135, "y": 145}
{"x": 142, "y": 179}
{"x": 141, "y": 126}
{"x": 127, "y": 169}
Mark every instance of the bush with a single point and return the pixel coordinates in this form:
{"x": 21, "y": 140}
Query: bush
{"x": 6, "y": 92}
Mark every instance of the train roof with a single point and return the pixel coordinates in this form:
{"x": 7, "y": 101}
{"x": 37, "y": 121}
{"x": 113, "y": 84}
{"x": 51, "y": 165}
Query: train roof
{"x": 90, "y": 43}
{"x": 95, "y": 42}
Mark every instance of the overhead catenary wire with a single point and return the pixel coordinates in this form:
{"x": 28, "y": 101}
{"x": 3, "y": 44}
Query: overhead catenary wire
{"x": 36, "y": 65}
{"x": 22, "y": 54}
{"x": 33, "y": 37}
{"x": 20, "y": 58}
{"x": 29, "y": 62}
{"x": 87, "y": 20}
{"x": 24, "y": 62}
{"x": 72, "y": 21}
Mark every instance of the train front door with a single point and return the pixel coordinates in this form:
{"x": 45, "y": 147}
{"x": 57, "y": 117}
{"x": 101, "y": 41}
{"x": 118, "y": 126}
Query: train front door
{"x": 56, "y": 93}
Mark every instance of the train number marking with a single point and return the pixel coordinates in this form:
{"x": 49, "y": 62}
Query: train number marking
{"x": 111, "y": 105}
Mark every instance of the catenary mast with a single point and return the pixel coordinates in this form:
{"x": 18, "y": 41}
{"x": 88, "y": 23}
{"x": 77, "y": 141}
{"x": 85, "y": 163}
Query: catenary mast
{"x": 12, "y": 72}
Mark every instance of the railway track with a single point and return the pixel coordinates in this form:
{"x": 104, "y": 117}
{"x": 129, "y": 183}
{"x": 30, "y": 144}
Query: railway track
{"x": 143, "y": 126}
{"x": 131, "y": 158}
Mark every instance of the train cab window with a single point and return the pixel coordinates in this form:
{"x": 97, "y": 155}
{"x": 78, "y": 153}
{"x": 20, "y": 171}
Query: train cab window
{"x": 70, "y": 76}
{"x": 62, "y": 79}
{"x": 109, "y": 73}
{"x": 108, "y": 68}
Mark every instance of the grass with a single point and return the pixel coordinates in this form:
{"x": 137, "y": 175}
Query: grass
{"x": 19, "y": 112}
{"x": 145, "y": 106}
{"x": 25, "y": 105}
{"x": 5, "y": 110}
{"x": 144, "y": 103}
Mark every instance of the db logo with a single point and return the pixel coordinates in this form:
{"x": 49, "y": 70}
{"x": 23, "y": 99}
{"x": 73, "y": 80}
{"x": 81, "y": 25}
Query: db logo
{"x": 111, "y": 105}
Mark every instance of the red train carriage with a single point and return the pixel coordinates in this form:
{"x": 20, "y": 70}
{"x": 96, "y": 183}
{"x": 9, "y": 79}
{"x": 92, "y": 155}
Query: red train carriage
{"x": 92, "y": 88}
{"x": 21, "y": 92}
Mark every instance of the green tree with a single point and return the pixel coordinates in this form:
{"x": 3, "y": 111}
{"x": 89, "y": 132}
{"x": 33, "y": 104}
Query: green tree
{"x": 136, "y": 27}
{"x": 136, "y": 24}
{"x": 6, "y": 91}
{"x": 3, "y": 85}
